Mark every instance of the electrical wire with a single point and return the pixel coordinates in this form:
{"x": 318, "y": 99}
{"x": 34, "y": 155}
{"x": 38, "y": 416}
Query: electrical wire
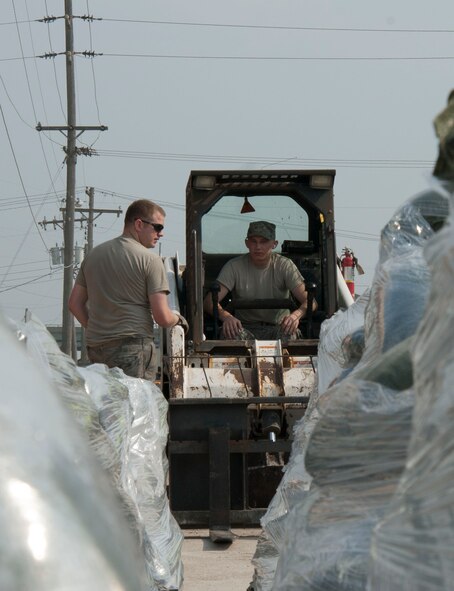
{"x": 34, "y": 111}
{"x": 43, "y": 102}
{"x": 20, "y": 174}
{"x": 266, "y": 27}
{"x": 281, "y": 58}
{"x": 13, "y": 105}
{"x": 54, "y": 67}
{"x": 93, "y": 70}
{"x": 278, "y": 27}
{"x": 26, "y": 282}
{"x": 295, "y": 161}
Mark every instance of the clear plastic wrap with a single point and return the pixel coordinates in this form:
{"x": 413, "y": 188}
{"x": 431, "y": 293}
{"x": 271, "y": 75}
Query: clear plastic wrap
{"x": 146, "y": 473}
{"x": 295, "y": 484}
{"x": 401, "y": 284}
{"x": 63, "y": 371}
{"x": 125, "y": 422}
{"x": 355, "y": 456}
{"x": 413, "y": 546}
{"x": 62, "y": 526}
{"x": 444, "y": 128}
{"x": 344, "y": 328}
{"x": 320, "y": 521}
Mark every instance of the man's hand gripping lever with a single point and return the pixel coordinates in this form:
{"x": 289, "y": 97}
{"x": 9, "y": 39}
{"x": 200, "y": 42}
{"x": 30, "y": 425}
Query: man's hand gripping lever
{"x": 182, "y": 322}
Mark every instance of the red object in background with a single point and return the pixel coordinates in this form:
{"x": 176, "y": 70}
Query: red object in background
{"x": 348, "y": 264}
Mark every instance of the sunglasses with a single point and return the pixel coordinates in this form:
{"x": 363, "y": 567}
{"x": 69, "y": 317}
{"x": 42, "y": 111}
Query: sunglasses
{"x": 156, "y": 227}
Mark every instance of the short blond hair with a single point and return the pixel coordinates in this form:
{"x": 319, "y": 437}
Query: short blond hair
{"x": 142, "y": 208}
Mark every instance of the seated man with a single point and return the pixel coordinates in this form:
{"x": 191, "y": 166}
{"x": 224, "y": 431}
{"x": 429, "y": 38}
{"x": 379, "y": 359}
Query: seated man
{"x": 260, "y": 274}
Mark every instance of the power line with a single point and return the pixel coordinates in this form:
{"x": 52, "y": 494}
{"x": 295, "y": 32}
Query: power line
{"x": 280, "y": 58}
{"x": 256, "y": 57}
{"x": 129, "y": 197}
{"x": 33, "y": 107}
{"x": 19, "y": 173}
{"x": 278, "y": 27}
{"x": 93, "y": 69}
{"x": 267, "y": 160}
{"x": 36, "y": 196}
{"x": 13, "y": 105}
{"x": 265, "y": 27}
{"x": 26, "y": 282}
{"x": 24, "y": 264}
{"x": 55, "y": 69}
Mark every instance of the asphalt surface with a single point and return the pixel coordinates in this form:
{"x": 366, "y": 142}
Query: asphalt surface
{"x": 218, "y": 567}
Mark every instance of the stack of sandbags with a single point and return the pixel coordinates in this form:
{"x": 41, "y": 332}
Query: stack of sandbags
{"x": 401, "y": 284}
{"x": 398, "y": 297}
{"x": 145, "y": 469}
{"x": 341, "y": 343}
{"x": 62, "y": 525}
{"x": 413, "y": 546}
{"x": 355, "y": 455}
{"x": 293, "y": 487}
{"x": 122, "y": 418}
{"x": 334, "y": 356}
{"x": 64, "y": 373}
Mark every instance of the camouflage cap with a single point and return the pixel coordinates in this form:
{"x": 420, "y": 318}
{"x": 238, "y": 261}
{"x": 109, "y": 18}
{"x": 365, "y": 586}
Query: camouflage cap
{"x": 264, "y": 229}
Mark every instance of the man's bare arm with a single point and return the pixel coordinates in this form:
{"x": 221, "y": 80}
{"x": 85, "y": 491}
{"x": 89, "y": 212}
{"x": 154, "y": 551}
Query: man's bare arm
{"x": 290, "y": 323}
{"x": 231, "y": 325}
{"x": 77, "y": 304}
{"x": 162, "y": 314}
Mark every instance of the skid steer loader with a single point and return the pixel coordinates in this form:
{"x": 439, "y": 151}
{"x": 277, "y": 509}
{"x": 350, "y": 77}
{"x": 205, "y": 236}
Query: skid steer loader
{"x": 233, "y": 403}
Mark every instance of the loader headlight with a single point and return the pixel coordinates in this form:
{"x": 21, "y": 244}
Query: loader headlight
{"x": 321, "y": 181}
{"x": 204, "y": 182}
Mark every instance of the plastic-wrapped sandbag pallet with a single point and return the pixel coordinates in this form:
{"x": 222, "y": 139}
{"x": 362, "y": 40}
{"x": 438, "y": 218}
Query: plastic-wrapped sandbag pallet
{"x": 296, "y": 480}
{"x": 355, "y": 456}
{"x": 144, "y": 465}
{"x": 62, "y": 526}
{"x": 294, "y": 485}
{"x": 120, "y": 426}
{"x": 401, "y": 283}
{"x": 413, "y": 547}
{"x": 345, "y": 326}
{"x": 391, "y": 318}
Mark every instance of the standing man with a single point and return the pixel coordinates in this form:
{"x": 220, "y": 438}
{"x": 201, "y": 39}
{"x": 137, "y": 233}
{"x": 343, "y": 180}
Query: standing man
{"x": 120, "y": 289}
{"x": 260, "y": 274}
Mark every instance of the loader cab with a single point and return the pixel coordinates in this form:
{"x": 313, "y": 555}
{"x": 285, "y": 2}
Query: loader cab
{"x": 220, "y": 206}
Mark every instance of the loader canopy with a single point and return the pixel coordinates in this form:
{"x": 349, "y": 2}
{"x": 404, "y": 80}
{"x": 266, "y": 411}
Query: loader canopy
{"x": 221, "y": 204}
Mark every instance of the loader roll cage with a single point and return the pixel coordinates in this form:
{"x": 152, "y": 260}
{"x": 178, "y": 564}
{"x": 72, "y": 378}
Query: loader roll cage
{"x": 300, "y": 203}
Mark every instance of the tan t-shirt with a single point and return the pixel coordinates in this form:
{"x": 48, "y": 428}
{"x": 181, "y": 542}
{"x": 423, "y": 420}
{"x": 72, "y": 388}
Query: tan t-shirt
{"x": 246, "y": 281}
{"x": 119, "y": 275}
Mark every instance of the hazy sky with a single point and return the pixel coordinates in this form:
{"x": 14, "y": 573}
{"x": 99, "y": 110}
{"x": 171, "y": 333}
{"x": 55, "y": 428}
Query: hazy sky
{"x": 192, "y": 84}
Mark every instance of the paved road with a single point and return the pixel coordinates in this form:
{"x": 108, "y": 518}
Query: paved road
{"x": 218, "y": 567}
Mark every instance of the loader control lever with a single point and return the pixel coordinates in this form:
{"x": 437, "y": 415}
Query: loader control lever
{"x": 215, "y": 289}
{"x": 310, "y": 288}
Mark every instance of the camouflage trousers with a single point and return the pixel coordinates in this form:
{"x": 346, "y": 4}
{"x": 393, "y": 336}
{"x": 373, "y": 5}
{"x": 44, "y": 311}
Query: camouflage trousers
{"x": 134, "y": 355}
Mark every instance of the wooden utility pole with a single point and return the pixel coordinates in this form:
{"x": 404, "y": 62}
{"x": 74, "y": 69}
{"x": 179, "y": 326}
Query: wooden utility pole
{"x": 68, "y": 227}
{"x": 91, "y": 202}
{"x": 71, "y": 158}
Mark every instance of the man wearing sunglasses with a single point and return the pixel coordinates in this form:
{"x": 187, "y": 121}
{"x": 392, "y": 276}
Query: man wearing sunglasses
{"x": 120, "y": 289}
